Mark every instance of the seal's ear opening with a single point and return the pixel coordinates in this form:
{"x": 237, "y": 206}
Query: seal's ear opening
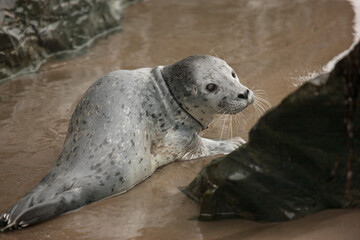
{"x": 195, "y": 90}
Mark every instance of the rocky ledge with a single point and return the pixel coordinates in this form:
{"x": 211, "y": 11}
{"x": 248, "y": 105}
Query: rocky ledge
{"x": 302, "y": 157}
{"x": 32, "y": 31}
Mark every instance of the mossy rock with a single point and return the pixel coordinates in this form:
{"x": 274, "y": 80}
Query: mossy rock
{"x": 302, "y": 156}
{"x": 32, "y": 31}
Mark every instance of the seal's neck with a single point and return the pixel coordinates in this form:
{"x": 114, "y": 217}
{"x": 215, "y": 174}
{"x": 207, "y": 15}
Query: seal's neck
{"x": 171, "y": 103}
{"x": 181, "y": 79}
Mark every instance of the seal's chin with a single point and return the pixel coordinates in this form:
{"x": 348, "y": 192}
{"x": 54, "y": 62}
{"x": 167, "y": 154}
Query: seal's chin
{"x": 233, "y": 107}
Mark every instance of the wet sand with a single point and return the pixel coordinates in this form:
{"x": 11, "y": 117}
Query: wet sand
{"x": 272, "y": 45}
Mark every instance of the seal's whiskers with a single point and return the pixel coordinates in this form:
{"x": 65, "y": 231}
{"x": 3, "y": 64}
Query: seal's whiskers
{"x": 223, "y": 126}
{"x": 265, "y": 103}
{"x": 261, "y": 104}
{"x": 241, "y": 118}
{"x": 218, "y": 118}
{"x": 231, "y": 127}
{"x": 258, "y": 110}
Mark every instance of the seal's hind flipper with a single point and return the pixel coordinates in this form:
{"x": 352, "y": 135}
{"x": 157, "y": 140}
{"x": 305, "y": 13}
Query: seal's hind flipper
{"x": 3, "y": 220}
{"x": 20, "y": 218}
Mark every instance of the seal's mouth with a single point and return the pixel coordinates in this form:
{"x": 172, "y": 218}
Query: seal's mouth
{"x": 233, "y": 106}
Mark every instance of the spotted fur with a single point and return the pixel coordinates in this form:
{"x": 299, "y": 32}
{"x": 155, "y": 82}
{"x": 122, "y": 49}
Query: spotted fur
{"x": 128, "y": 124}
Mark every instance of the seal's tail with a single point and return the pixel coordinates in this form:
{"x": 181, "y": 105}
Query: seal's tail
{"x": 33, "y": 209}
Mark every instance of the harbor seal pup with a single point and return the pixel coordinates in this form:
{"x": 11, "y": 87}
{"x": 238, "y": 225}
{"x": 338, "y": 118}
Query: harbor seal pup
{"x": 128, "y": 124}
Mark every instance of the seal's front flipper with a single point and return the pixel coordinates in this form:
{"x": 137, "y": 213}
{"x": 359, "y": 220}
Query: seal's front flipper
{"x": 20, "y": 218}
{"x": 222, "y": 146}
{"x": 209, "y": 147}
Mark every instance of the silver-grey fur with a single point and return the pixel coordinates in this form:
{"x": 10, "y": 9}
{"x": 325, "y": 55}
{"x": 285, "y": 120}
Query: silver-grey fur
{"x": 128, "y": 124}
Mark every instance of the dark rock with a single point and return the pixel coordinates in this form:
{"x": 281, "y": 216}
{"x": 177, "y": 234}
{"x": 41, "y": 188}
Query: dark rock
{"x": 302, "y": 157}
{"x": 32, "y": 31}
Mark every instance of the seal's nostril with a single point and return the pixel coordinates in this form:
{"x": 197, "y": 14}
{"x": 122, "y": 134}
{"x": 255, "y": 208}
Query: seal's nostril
{"x": 242, "y": 96}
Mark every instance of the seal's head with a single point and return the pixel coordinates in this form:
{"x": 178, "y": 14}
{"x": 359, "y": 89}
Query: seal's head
{"x": 205, "y": 86}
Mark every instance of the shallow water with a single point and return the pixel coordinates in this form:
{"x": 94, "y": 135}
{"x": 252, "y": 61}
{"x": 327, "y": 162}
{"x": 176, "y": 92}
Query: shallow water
{"x": 272, "y": 45}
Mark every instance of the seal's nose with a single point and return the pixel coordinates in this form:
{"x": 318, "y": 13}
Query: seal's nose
{"x": 244, "y": 95}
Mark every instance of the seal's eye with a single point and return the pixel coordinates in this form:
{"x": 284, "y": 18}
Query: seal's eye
{"x": 211, "y": 87}
{"x": 233, "y": 74}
